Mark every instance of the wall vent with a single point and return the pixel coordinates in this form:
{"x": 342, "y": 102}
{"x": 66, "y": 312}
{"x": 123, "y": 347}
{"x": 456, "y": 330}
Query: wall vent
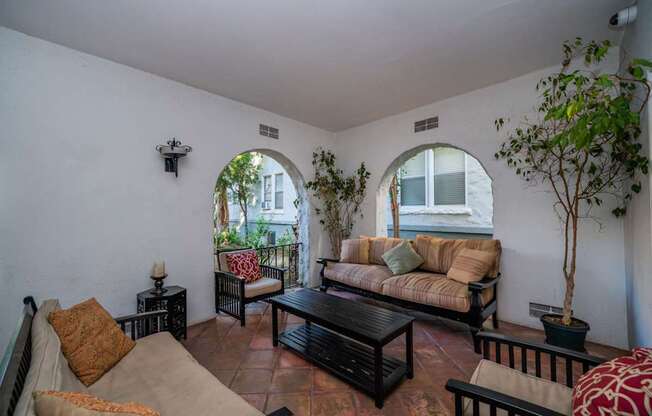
{"x": 268, "y": 131}
{"x": 537, "y": 310}
{"x": 427, "y": 124}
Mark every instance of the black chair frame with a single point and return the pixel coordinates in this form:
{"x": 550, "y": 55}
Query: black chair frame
{"x": 474, "y": 318}
{"x": 512, "y": 405}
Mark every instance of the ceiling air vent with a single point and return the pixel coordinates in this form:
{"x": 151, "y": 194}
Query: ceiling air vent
{"x": 268, "y": 131}
{"x": 537, "y": 310}
{"x": 427, "y": 124}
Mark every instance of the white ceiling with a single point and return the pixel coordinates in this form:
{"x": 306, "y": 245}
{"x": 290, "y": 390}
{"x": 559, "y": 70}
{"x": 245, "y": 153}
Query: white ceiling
{"x": 334, "y": 64}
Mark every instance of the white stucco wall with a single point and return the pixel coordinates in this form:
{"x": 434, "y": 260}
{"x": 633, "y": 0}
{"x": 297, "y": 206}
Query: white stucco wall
{"x": 523, "y": 216}
{"x": 86, "y": 206}
{"x": 637, "y": 42}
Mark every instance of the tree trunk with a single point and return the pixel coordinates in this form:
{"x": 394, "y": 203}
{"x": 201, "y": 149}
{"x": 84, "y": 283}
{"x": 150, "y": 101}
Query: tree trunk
{"x": 569, "y": 274}
{"x": 222, "y": 210}
{"x": 393, "y": 196}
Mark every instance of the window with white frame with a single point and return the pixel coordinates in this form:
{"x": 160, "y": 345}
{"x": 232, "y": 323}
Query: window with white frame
{"x": 267, "y": 192}
{"x": 273, "y": 192}
{"x": 278, "y": 191}
{"x": 433, "y": 178}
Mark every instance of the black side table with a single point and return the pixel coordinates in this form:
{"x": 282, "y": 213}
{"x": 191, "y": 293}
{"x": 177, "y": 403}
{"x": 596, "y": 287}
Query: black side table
{"x": 174, "y": 301}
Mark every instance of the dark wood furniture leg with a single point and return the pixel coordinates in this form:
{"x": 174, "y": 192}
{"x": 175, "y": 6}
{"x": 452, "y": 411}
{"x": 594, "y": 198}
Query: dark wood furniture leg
{"x": 274, "y": 325}
{"x": 378, "y": 376}
{"x": 409, "y": 359}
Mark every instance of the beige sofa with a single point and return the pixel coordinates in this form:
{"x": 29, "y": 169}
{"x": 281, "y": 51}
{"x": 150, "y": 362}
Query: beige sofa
{"x": 157, "y": 372}
{"x": 426, "y": 289}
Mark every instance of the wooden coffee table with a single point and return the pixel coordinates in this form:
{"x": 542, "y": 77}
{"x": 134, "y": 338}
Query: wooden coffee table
{"x": 346, "y": 338}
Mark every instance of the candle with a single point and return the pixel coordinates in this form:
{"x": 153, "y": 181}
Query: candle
{"x": 158, "y": 269}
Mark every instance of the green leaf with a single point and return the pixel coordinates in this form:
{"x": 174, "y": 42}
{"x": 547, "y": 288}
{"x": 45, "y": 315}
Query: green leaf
{"x": 642, "y": 62}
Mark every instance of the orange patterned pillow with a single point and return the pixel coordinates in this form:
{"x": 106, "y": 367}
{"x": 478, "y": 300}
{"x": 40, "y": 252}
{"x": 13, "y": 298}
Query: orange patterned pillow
{"x": 91, "y": 341}
{"x": 355, "y": 251}
{"x": 58, "y": 403}
{"x": 471, "y": 265}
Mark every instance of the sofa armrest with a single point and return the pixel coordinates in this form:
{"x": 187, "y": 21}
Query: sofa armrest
{"x": 140, "y": 325}
{"x": 272, "y": 272}
{"x": 324, "y": 260}
{"x": 492, "y": 398}
{"x": 283, "y": 411}
{"x": 485, "y": 283}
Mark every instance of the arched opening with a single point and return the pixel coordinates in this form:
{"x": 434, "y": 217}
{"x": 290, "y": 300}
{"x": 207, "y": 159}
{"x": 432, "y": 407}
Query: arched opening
{"x": 260, "y": 202}
{"x": 435, "y": 189}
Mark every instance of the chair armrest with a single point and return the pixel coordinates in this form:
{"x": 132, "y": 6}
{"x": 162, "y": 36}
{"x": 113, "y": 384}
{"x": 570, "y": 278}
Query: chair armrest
{"x": 490, "y": 397}
{"x": 228, "y": 276}
{"x": 272, "y": 272}
{"x": 485, "y": 283}
{"x": 283, "y": 411}
{"x": 143, "y": 324}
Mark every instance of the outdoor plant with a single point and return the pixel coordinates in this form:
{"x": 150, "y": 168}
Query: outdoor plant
{"x": 340, "y": 196}
{"x": 584, "y": 143}
{"x": 240, "y": 176}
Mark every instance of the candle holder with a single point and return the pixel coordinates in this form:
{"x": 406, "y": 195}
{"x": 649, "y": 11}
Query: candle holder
{"x": 158, "y": 284}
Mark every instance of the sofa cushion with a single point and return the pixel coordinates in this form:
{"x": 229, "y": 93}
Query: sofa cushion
{"x": 470, "y": 265}
{"x": 432, "y": 289}
{"x": 402, "y": 258}
{"x": 262, "y": 286}
{"x": 438, "y": 253}
{"x": 363, "y": 276}
{"x": 223, "y": 265}
{"x": 161, "y": 374}
{"x": 355, "y": 251}
{"x": 91, "y": 341}
{"x": 59, "y": 403}
{"x": 526, "y": 387}
{"x": 379, "y": 246}
{"x": 48, "y": 369}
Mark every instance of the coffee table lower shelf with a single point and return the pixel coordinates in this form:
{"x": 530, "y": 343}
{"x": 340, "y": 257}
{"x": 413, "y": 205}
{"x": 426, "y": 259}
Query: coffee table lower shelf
{"x": 350, "y": 360}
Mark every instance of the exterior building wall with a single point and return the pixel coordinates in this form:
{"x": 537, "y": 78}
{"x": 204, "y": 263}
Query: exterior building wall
{"x": 476, "y": 219}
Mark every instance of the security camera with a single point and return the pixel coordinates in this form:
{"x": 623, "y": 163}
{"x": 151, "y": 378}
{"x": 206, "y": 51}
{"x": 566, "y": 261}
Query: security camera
{"x": 623, "y": 17}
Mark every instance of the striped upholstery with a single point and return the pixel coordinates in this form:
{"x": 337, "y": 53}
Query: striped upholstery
{"x": 363, "y": 276}
{"x": 432, "y": 289}
{"x": 470, "y": 265}
{"x": 378, "y": 246}
{"x": 438, "y": 253}
{"x": 355, "y": 251}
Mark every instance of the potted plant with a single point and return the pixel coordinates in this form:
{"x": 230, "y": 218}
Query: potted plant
{"x": 584, "y": 146}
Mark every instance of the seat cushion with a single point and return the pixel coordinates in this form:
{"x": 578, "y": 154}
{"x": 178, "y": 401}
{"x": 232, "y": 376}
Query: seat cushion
{"x": 526, "y": 387}
{"x": 91, "y": 341}
{"x": 432, "y": 289}
{"x": 363, "y": 276}
{"x": 378, "y": 246}
{"x": 262, "y": 286}
{"x": 49, "y": 369}
{"x": 161, "y": 374}
{"x": 355, "y": 251}
{"x": 439, "y": 253}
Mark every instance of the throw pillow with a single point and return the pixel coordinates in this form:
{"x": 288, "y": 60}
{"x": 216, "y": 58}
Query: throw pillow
{"x": 402, "y": 258}
{"x": 622, "y": 386}
{"x": 355, "y": 251}
{"x": 471, "y": 265}
{"x": 60, "y": 403}
{"x": 91, "y": 341}
{"x": 379, "y": 246}
{"x": 245, "y": 265}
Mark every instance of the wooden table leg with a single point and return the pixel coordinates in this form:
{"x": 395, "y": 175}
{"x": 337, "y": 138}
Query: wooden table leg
{"x": 274, "y": 326}
{"x": 378, "y": 377}
{"x": 409, "y": 352}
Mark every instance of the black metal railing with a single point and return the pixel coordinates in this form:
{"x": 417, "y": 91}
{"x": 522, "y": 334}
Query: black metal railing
{"x": 284, "y": 256}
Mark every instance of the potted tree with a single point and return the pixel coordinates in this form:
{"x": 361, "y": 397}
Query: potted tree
{"x": 584, "y": 146}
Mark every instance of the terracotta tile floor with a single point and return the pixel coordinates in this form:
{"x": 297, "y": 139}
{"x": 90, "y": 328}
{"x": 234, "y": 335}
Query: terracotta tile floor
{"x": 270, "y": 378}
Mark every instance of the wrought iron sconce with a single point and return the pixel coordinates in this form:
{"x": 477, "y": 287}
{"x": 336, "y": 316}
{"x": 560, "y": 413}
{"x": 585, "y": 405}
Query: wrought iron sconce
{"x": 172, "y": 152}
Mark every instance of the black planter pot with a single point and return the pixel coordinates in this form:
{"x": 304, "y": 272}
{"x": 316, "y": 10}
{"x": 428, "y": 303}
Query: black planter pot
{"x": 571, "y": 337}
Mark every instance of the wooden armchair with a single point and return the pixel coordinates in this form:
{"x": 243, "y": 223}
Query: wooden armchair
{"x": 506, "y": 385}
{"x": 232, "y": 293}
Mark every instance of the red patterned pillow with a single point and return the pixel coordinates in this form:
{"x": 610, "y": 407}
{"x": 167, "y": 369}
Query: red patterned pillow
{"x": 622, "y": 386}
{"x": 245, "y": 265}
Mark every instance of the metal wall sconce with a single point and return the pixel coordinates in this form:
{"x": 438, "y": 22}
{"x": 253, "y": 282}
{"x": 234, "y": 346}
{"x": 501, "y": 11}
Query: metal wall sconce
{"x": 172, "y": 152}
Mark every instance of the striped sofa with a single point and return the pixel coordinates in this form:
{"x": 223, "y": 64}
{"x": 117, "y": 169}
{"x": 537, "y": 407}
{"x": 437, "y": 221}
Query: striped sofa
{"x": 426, "y": 289}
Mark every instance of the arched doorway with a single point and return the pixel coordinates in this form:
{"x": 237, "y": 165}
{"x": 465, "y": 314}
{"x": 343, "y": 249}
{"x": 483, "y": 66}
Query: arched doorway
{"x": 439, "y": 190}
{"x": 276, "y": 212}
